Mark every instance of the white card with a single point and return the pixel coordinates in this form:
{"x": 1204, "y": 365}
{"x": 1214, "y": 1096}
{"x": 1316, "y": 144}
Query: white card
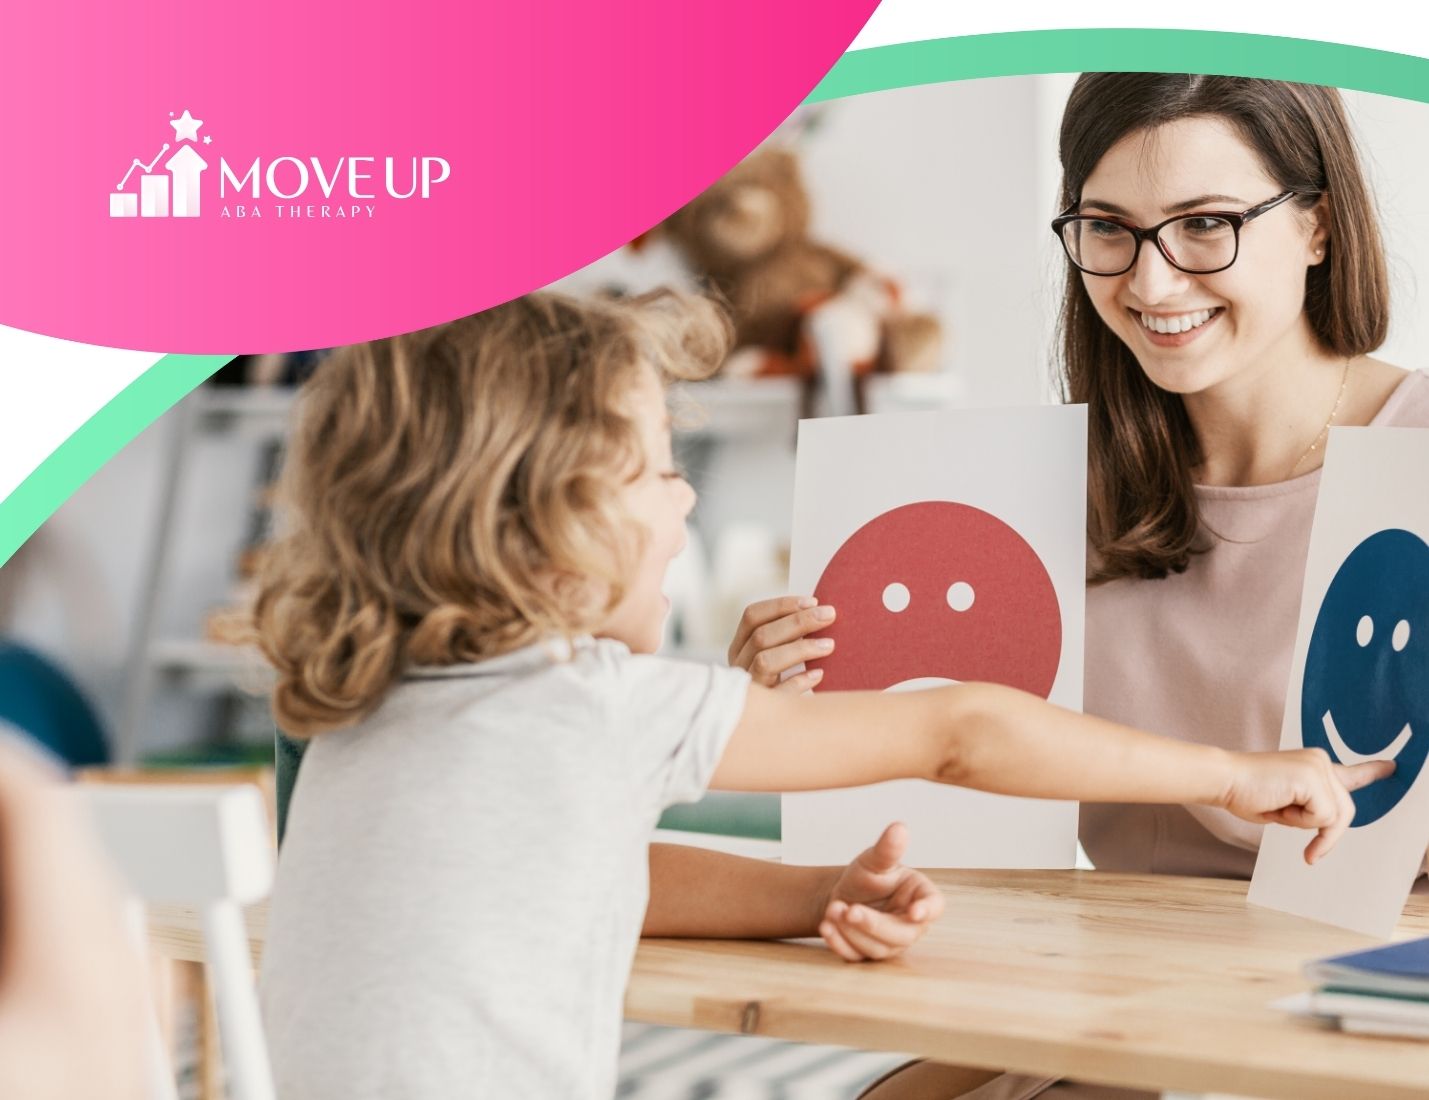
{"x": 953, "y": 547}
{"x": 1359, "y": 682}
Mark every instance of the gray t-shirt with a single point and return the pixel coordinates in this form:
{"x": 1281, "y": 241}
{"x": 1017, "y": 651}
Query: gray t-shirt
{"x": 464, "y": 874}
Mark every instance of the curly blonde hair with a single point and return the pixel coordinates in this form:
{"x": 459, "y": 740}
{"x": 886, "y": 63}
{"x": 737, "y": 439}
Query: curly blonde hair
{"x": 452, "y": 494}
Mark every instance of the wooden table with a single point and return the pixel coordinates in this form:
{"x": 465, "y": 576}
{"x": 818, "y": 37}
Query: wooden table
{"x": 1148, "y": 981}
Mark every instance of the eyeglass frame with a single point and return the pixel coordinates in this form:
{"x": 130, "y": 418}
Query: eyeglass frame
{"x": 1153, "y": 234}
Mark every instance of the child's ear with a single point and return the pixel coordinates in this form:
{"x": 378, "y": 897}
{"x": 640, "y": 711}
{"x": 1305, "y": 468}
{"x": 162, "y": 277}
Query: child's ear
{"x": 580, "y": 599}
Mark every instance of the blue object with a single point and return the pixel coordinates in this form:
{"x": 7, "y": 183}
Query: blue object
{"x": 1409, "y": 959}
{"x": 1366, "y": 687}
{"x": 40, "y": 701}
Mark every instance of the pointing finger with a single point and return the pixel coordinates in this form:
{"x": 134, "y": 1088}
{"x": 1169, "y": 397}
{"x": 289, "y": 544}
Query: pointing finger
{"x": 1355, "y": 776}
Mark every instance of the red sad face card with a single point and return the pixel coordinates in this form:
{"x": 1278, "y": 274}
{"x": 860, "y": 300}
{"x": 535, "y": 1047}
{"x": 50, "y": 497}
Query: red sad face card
{"x": 939, "y": 592}
{"x": 952, "y": 546}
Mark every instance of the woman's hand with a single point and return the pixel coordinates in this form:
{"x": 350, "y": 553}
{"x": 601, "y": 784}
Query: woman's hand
{"x": 877, "y": 907}
{"x": 773, "y": 637}
{"x": 1301, "y": 788}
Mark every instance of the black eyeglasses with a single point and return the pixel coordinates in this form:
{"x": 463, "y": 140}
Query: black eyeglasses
{"x": 1198, "y": 244}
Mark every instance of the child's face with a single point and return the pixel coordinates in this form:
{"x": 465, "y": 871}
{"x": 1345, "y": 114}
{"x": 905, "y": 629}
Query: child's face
{"x": 659, "y": 499}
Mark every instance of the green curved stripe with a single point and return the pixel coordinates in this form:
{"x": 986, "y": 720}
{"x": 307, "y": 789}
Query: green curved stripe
{"x": 96, "y": 441}
{"x": 1221, "y": 53}
{"x": 905, "y": 65}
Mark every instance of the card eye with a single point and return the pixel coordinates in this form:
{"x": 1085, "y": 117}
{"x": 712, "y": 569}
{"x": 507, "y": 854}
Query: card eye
{"x": 960, "y": 595}
{"x": 896, "y": 597}
{"x": 1364, "y": 631}
{"x": 1400, "y": 638}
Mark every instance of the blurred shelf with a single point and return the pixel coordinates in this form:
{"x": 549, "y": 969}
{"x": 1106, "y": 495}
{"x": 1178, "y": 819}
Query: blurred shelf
{"x": 259, "y": 411}
{"x": 213, "y": 759}
{"x": 730, "y": 409}
{"x": 722, "y": 408}
{"x": 736, "y": 408}
{"x": 196, "y": 665}
{"x": 210, "y": 666}
{"x": 915, "y": 392}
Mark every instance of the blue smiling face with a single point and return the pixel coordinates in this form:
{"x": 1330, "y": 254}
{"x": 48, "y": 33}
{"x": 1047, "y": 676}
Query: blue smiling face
{"x": 1366, "y": 690}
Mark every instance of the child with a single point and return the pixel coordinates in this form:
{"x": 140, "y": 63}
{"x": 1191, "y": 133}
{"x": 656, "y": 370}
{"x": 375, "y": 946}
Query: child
{"x": 483, "y": 514}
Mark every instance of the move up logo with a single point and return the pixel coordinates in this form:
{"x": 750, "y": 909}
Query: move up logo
{"x": 173, "y": 192}
{"x": 288, "y": 188}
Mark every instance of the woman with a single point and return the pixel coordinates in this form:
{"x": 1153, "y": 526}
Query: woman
{"x": 1226, "y": 283}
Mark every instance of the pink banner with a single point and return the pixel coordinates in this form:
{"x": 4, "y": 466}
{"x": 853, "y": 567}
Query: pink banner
{"x": 277, "y": 176}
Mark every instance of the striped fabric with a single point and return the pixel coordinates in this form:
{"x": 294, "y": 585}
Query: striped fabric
{"x": 663, "y": 1063}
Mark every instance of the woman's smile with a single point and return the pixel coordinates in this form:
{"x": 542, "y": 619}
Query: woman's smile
{"x": 1175, "y": 330}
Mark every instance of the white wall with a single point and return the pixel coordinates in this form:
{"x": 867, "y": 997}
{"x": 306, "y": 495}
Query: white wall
{"x": 1397, "y": 160}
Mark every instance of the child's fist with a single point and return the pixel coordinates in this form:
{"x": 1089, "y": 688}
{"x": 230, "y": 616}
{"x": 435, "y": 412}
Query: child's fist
{"x": 877, "y": 907}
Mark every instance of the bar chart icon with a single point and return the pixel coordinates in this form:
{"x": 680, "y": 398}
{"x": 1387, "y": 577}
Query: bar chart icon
{"x": 173, "y": 192}
{"x": 153, "y": 198}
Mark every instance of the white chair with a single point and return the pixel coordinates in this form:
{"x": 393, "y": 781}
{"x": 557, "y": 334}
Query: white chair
{"x": 211, "y": 848}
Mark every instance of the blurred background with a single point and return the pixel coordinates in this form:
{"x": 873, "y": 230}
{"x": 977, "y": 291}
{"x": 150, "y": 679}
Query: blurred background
{"x": 902, "y": 237}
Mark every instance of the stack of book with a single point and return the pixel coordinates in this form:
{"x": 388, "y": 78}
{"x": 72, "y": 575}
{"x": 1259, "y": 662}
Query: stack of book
{"x": 1383, "y": 991}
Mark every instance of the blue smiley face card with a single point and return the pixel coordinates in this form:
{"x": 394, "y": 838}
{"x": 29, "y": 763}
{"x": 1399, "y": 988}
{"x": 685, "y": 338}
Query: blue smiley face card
{"x": 1359, "y": 685}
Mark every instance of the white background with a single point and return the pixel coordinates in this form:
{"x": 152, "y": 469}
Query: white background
{"x": 1379, "y": 24}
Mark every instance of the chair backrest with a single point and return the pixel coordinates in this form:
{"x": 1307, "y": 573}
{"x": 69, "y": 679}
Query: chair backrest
{"x": 209, "y": 847}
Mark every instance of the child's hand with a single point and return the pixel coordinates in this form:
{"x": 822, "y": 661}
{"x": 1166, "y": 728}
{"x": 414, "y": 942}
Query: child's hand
{"x": 1301, "y": 788}
{"x": 877, "y": 907}
{"x": 772, "y": 638}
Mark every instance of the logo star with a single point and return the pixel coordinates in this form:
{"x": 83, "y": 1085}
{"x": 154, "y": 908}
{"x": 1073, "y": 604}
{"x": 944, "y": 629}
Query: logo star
{"x": 186, "y": 127}
{"x": 207, "y": 139}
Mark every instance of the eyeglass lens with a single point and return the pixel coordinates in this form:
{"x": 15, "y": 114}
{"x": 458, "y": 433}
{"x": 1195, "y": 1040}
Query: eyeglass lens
{"x": 1196, "y": 244}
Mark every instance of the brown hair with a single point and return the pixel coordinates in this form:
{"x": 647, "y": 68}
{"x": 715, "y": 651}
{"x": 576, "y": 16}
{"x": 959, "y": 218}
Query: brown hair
{"x": 1142, "y": 514}
{"x": 453, "y": 493}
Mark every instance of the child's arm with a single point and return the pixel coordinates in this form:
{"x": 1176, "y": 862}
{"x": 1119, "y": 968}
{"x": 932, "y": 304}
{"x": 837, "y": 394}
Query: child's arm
{"x": 998, "y": 739}
{"x": 871, "y": 909}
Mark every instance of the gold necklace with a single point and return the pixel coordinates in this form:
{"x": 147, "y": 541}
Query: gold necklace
{"x": 1323, "y": 432}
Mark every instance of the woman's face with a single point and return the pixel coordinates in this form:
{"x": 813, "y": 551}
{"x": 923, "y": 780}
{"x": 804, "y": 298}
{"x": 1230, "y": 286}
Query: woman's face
{"x": 1247, "y": 318}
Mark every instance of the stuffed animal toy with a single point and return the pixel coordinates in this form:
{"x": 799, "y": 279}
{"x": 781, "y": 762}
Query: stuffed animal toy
{"x": 800, "y": 307}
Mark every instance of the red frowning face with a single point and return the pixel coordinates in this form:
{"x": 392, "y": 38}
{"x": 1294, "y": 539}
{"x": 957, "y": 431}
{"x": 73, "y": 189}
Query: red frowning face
{"x": 938, "y": 591}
